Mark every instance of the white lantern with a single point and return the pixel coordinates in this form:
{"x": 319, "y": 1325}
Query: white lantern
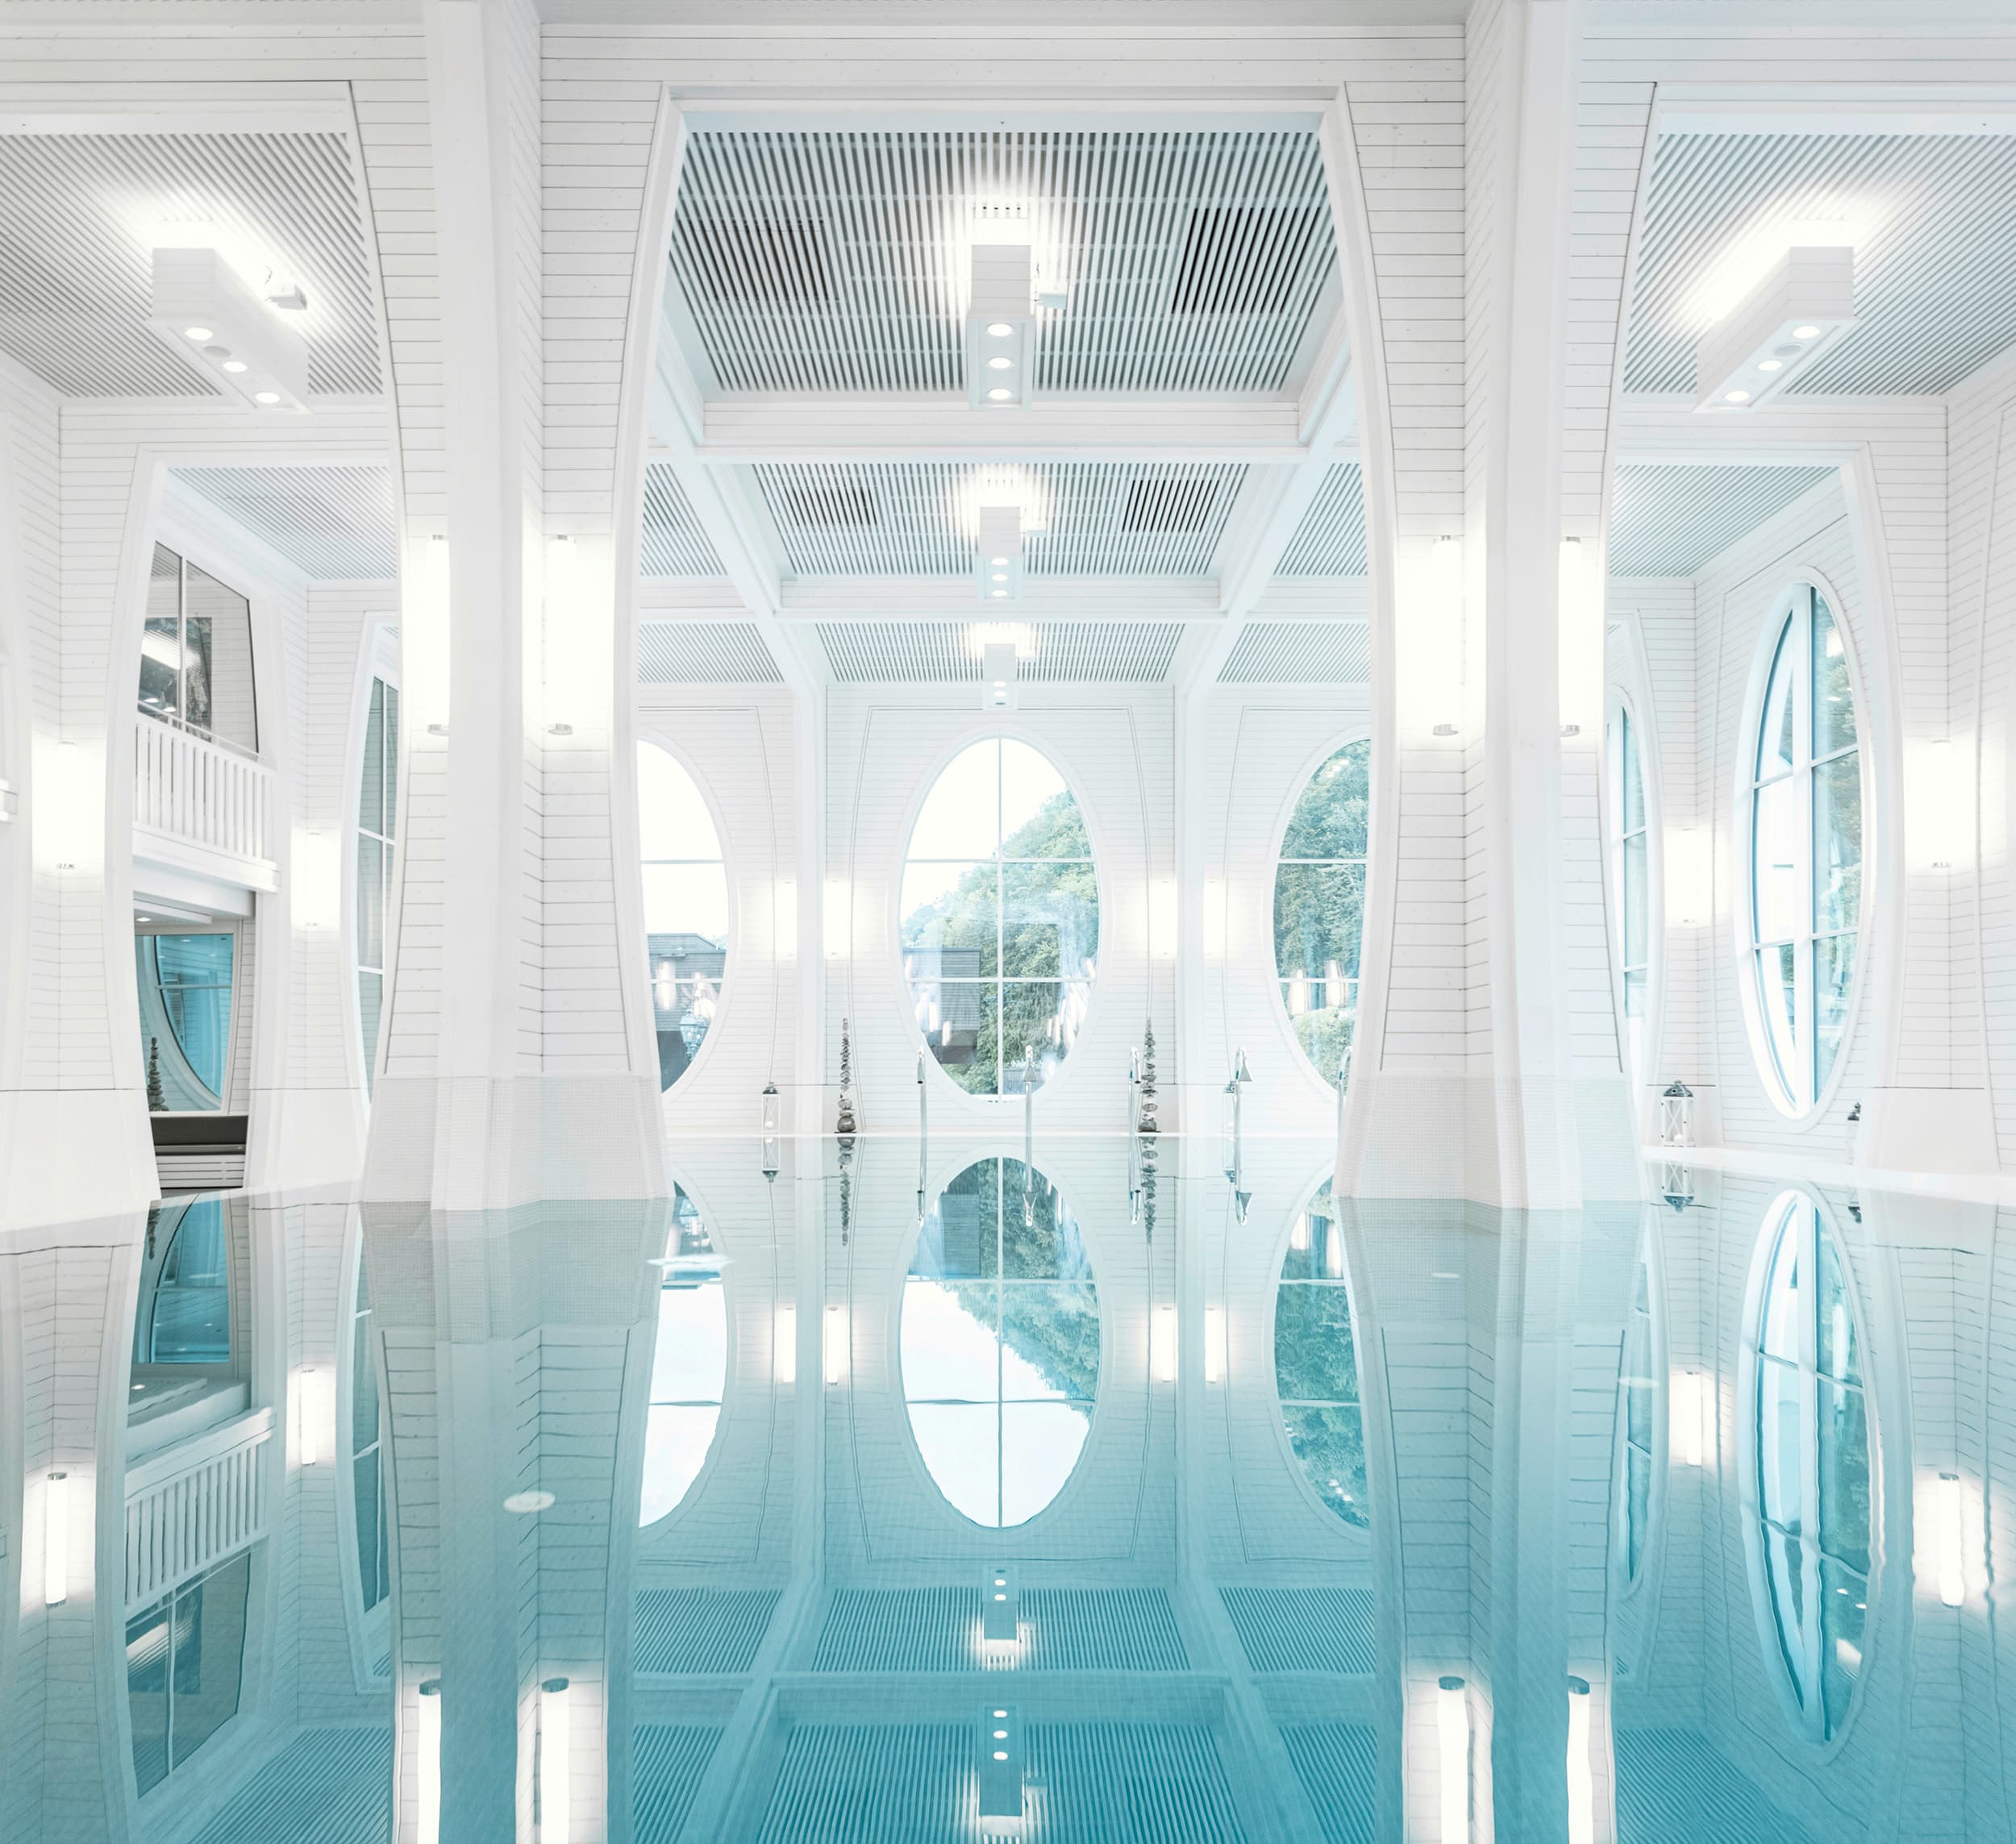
{"x": 1676, "y": 1115}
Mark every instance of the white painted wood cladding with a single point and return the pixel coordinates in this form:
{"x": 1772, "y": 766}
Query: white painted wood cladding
{"x": 194, "y": 1504}
{"x": 189, "y": 793}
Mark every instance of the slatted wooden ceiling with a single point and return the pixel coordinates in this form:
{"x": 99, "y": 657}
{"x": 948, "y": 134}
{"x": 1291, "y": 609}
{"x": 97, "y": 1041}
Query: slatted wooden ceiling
{"x": 75, "y": 276}
{"x": 330, "y": 522}
{"x": 831, "y": 260}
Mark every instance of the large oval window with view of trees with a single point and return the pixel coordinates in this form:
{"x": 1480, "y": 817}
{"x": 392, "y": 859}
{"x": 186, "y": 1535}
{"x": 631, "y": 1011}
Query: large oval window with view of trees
{"x": 1000, "y": 918}
{"x": 999, "y": 1342}
{"x": 1319, "y": 908}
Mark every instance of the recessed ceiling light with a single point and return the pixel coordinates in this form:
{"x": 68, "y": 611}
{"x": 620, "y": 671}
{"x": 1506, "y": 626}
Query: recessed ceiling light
{"x": 999, "y": 329}
{"x": 1771, "y": 365}
{"x": 266, "y": 397}
{"x": 198, "y": 332}
{"x": 1805, "y": 332}
{"x": 999, "y": 394}
{"x": 1735, "y": 396}
{"x": 1000, "y": 576}
{"x": 999, "y": 365}
{"x": 999, "y": 594}
{"x": 234, "y": 366}
{"x": 998, "y": 560}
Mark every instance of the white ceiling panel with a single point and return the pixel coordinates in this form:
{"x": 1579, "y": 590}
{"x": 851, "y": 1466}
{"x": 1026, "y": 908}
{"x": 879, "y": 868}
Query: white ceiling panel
{"x": 913, "y": 652}
{"x": 673, "y": 544}
{"x": 75, "y": 276}
{"x": 1301, "y": 653}
{"x": 917, "y": 519}
{"x": 1331, "y": 539}
{"x": 330, "y": 523}
{"x": 1929, "y": 215}
{"x": 832, "y": 261}
{"x": 703, "y": 653}
{"x": 1669, "y": 520}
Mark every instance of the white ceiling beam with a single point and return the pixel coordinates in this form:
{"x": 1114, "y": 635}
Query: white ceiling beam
{"x": 1043, "y": 598}
{"x": 743, "y": 430}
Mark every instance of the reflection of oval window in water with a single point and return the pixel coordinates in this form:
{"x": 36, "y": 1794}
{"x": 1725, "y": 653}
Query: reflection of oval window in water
{"x": 688, "y": 1366}
{"x": 1316, "y": 1361}
{"x": 1000, "y": 1342}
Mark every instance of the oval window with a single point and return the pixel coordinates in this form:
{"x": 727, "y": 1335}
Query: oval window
{"x": 1316, "y": 1362}
{"x": 1806, "y": 858}
{"x": 1000, "y": 1342}
{"x": 1319, "y": 908}
{"x": 1813, "y": 1496}
{"x": 689, "y": 1365}
{"x": 1000, "y": 918}
{"x": 685, "y": 909}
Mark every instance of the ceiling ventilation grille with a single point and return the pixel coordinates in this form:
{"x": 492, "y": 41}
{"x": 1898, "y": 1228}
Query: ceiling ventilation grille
{"x": 1669, "y": 520}
{"x": 1301, "y": 653}
{"x": 332, "y": 524}
{"x": 1331, "y": 539}
{"x": 948, "y": 652}
{"x": 1930, "y": 226}
{"x": 75, "y": 289}
{"x": 703, "y": 653}
{"x": 673, "y": 544}
{"x": 1080, "y": 518}
{"x": 836, "y": 260}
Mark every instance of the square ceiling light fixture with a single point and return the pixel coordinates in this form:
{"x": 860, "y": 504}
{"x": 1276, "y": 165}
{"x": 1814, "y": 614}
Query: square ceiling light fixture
{"x": 997, "y": 554}
{"x": 997, "y": 660}
{"x": 1001, "y": 327}
{"x": 206, "y": 310}
{"x": 1805, "y": 304}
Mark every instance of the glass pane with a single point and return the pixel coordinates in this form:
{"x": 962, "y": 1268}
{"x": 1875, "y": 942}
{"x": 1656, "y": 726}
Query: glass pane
{"x": 959, "y": 1021}
{"x": 1774, "y": 740}
{"x": 1844, "y": 1611}
{"x": 1784, "y": 1293}
{"x": 1330, "y": 1445}
{"x": 217, "y": 685}
{"x": 1634, "y": 789}
{"x": 687, "y": 901}
{"x": 1844, "y": 1475}
{"x": 161, "y": 640}
{"x": 1050, "y": 920}
{"x": 1635, "y": 991}
{"x": 951, "y": 920}
{"x": 371, "y": 1011}
{"x": 1839, "y": 1356}
{"x": 210, "y": 1652}
{"x": 371, "y": 788}
{"x": 1330, "y": 819}
{"x": 1779, "y": 1449}
{"x": 1638, "y": 1407}
{"x": 1777, "y": 995}
{"x": 1050, "y": 1341}
{"x": 365, "y": 1484}
{"x": 1040, "y": 1443}
{"x": 1319, "y": 914}
{"x": 370, "y": 902}
{"x": 1779, "y": 851}
{"x": 1315, "y": 1359}
{"x": 1324, "y": 1035}
{"x": 147, "y": 1642}
{"x": 1784, "y": 1564}
{"x": 391, "y": 761}
{"x": 690, "y": 1362}
{"x": 950, "y": 1346}
{"x": 962, "y": 814}
{"x": 1833, "y": 978}
{"x": 1833, "y": 702}
{"x": 1637, "y": 936}
{"x": 676, "y": 1443}
{"x": 959, "y": 1445}
{"x": 364, "y": 1386}
{"x": 1040, "y": 1020}
{"x": 1837, "y": 843}
{"x": 1638, "y": 1503}
{"x": 184, "y": 988}
{"x": 1039, "y": 818}
{"x": 673, "y": 818}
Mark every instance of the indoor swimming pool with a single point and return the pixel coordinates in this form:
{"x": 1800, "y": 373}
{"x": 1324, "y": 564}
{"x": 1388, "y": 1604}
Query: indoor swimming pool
{"x": 1089, "y": 1489}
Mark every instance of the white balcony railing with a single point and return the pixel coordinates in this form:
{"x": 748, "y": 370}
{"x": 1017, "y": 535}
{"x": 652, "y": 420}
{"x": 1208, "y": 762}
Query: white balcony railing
{"x": 192, "y": 1504}
{"x": 200, "y": 805}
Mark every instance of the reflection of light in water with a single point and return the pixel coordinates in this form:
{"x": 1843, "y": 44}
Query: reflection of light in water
{"x": 689, "y": 1366}
{"x": 999, "y": 1343}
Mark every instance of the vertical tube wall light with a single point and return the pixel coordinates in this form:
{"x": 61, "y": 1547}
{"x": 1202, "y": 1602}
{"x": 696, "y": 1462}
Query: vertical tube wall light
{"x": 836, "y": 1344}
{"x": 1162, "y": 1333}
{"x": 1214, "y": 1343}
{"x": 55, "y": 1540}
{"x": 1581, "y": 1777}
{"x": 426, "y": 1765}
{"x": 556, "y": 1765}
{"x": 310, "y": 1443}
{"x": 1452, "y": 1737}
{"x": 1690, "y": 1417}
{"x": 784, "y": 1356}
{"x": 1952, "y": 1554}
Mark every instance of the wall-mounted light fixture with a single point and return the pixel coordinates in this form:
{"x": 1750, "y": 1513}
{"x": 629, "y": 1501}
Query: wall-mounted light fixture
{"x": 56, "y": 1539}
{"x": 427, "y": 1764}
{"x": 1803, "y": 305}
{"x": 308, "y": 1408}
{"x": 836, "y": 1344}
{"x": 783, "y": 1348}
{"x": 1453, "y": 1740}
{"x": 1214, "y": 1343}
{"x": 556, "y": 1764}
{"x": 1952, "y": 1550}
{"x": 1162, "y": 1344}
{"x": 1692, "y": 1405}
{"x": 206, "y": 310}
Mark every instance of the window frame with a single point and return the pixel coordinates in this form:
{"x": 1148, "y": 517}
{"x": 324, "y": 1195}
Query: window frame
{"x": 1332, "y": 1519}
{"x": 670, "y": 1518}
{"x": 1629, "y": 1582}
{"x": 919, "y": 1041}
{"x": 377, "y": 673}
{"x": 1333, "y": 1091}
{"x": 239, "y": 931}
{"x": 1806, "y": 1717}
{"x": 727, "y": 986}
{"x": 1621, "y": 720}
{"x": 248, "y": 1660}
{"x": 1793, "y": 609}
{"x": 370, "y": 1627}
{"x": 174, "y": 545}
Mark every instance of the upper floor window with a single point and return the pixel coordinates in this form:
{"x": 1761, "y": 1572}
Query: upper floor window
{"x": 1813, "y": 1465}
{"x": 1000, "y": 918}
{"x": 196, "y": 654}
{"x": 1631, "y": 880}
{"x": 1316, "y": 1362}
{"x": 185, "y": 1664}
{"x": 1806, "y": 852}
{"x": 685, "y": 909}
{"x": 1319, "y": 908}
{"x": 378, "y": 828}
{"x": 690, "y": 1364}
